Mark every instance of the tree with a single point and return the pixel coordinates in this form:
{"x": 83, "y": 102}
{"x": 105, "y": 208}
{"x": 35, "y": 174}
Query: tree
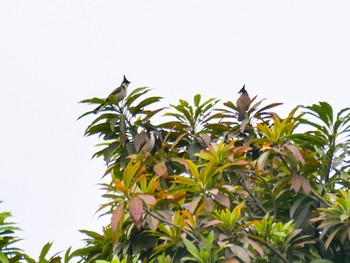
{"x": 216, "y": 190}
{"x": 212, "y": 189}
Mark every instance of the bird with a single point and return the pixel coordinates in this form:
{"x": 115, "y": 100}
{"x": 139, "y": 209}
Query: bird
{"x": 242, "y": 103}
{"x": 144, "y": 142}
{"x": 119, "y": 92}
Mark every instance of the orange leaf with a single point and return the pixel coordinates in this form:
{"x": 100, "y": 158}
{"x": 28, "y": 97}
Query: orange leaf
{"x": 136, "y": 211}
{"x": 179, "y": 196}
{"x": 119, "y": 186}
{"x": 266, "y": 146}
{"x": 116, "y": 216}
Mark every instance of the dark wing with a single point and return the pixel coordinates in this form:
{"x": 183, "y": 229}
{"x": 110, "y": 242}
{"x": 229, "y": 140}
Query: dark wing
{"x": 140, "y": 141}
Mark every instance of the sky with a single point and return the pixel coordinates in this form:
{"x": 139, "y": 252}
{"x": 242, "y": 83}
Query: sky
{"x": 56, "y": 53}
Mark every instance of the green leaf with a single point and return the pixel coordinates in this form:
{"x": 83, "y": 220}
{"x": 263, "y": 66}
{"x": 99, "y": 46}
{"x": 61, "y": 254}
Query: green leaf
{"x": 3, "y": 258}
{"x": 295, "y": 205}
{"x": 193, "y": 170}
{"x": 197, "y": 99}
{"x": 146, "y": 102}
{"x": 192, "y": 249}
{"x": 44, "y": 251}
{"x": 321, "y": 261}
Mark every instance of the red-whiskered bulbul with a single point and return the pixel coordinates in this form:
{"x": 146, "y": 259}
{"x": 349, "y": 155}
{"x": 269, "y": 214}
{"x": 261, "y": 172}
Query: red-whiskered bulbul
{"x": 144, "y": 141}
{"x": 119, "y": 92}
{"x": 242, "y": 103}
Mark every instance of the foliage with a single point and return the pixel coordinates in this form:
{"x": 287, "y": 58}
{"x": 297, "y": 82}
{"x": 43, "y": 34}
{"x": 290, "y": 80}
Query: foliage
{"x": 267, "y": 189}
{"x": 208, "y": 188}
{"x": 8, "y": 253}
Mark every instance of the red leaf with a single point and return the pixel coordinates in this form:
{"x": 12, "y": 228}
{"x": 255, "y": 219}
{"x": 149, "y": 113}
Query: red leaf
{"x": 136, "y": 211}
{"x": 262, "y": 160}
{"x": 206, "y": 138}
{"x": 152, "y": 222}
{"x": 208, "y": 204}
{"x": 212, "y": 223}
{"x": 306, "y": 185}
{"x": 240, "y": 162}
{"x": 193, "y": 205}
{"x": 296, "y": 182}
{"x": 295, "y": 151}
{"x": 148, "y": 199}
{"x": 254, "y": 245}
{"x": 116, "y": 216}
{"x": 161, "y": 169}
{"x": 180, "y": 160}
{"x": 222, "y": 199}
{"x": 241, "y": 149}
{"x": 241, "y": 253}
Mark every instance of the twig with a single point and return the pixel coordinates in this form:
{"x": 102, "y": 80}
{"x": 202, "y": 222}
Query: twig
{"x": 257, "y": 203}
{"x": 319, "y": 198}
{"x": 169, "y": 223}
{"x": 285, "y": 163}
{"x": 272, "y": 196}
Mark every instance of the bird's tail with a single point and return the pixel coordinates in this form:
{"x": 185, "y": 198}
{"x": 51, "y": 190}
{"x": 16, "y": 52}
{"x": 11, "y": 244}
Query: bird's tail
{"x": 241, "y": 115}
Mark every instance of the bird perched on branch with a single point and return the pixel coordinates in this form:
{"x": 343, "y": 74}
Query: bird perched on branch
{"x": 242, "y": 103}
{"x": 119, "y": 92}
{"x": 144, "y": 141}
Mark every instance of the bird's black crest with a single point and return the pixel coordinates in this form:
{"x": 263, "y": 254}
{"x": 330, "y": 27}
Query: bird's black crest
{"x": 242, "y": 89}
{"x": 125, "y": 80}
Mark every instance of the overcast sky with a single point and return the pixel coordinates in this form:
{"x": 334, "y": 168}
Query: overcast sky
{"x": 55, "y": 53}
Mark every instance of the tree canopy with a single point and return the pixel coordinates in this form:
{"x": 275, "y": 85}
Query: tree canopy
{"x": 212, "y": 189}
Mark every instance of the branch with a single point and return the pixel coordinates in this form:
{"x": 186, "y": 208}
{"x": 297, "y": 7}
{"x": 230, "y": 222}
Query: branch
{"x": 121, "y": 111}
{"x": 285, "y": 163}
{"x": 265, "y": 243}
{"x": 320, "y": 198}
{"x": 169, "y": 223}
{"x": 257, "y": 203}
{"x": 272, "y": 195}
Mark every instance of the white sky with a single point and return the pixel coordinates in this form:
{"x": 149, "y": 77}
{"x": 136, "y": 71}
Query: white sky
{"x": 58, "y": 52}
